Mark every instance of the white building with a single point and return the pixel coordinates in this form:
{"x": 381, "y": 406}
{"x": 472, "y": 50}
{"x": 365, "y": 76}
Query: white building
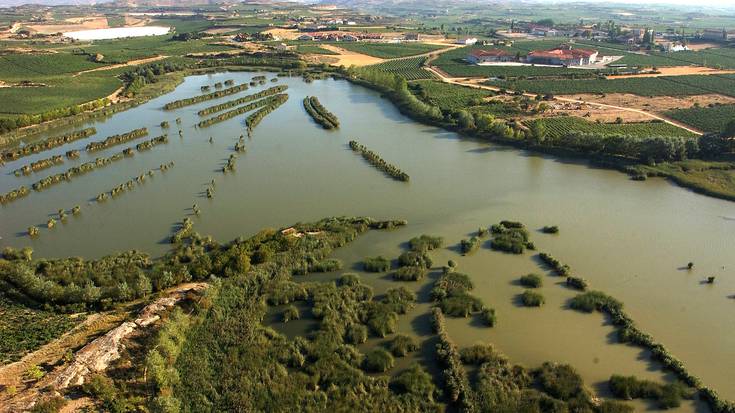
{"x": 467, "y": 41}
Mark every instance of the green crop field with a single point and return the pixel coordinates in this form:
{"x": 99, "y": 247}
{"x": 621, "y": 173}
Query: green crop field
{"x": 23, "y": 329}
{"x": 649, "y": 86}
{"x": 18, "y": 67}
{"x": 707, "y": 119}
{"x": 562, "y": 125}
{"x": 314, "y": 49}
{"x": 123, "y": 50}
{"x": 388, "y": 50}
{"x": 448, "y": 96}
{"x": 410, "y": 68}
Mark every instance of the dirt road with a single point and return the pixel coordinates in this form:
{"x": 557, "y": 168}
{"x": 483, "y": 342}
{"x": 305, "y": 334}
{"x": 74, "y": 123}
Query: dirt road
{"x": 464, "y": 82}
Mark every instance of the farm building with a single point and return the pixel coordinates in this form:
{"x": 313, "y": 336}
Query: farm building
{"x": 718, "y": 35}
{"x": 563, "y": 56}
{"x": 467, "y": 41}
{"x": 489, "y": 56}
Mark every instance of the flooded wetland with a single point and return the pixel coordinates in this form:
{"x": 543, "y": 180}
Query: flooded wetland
{"x": 631, "y": 240}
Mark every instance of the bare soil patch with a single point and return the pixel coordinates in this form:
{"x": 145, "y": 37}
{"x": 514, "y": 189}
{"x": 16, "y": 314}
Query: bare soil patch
{"x": 284, "y": 34}
{"x": 86, "y": 23}
{"x": 348, "y": 58}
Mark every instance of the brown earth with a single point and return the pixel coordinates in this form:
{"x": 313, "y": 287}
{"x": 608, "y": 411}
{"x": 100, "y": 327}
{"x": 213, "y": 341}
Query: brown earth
{"x": 129, "y": 63}
{"x": 348, "y": 58}
{"x": 73, "y": 25}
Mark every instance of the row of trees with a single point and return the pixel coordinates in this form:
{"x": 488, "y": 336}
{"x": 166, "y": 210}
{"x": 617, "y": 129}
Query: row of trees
{"x": 39, "y": 165}
{"x": 242, "y": 109}
{"x": 202, "y": 98}
{"x": 236, "y": 102}
{"x": 319, "y": 113}
{"x": 46, "y": 144}
{"x": 116, "y": 139}
{"x": 255, "y": 118}
{"x": 378, "y": 162}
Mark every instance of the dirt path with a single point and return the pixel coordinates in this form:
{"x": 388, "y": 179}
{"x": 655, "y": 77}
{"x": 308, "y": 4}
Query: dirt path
{"x": 130, "y": 63}
{"x": 348, "y": 58}
{"x": 649, "y": 115}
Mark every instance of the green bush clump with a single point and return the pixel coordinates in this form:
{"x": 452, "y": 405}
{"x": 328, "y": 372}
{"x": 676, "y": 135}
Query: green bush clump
{"x": 489, "y": 317}
{"x": 356, "y": 334}
{"x": 531, "y": 281}
{"x": 415, "y": 259}
{"x": 275, "y": 100}
{"x": 450, "y": 284}
{"x": 479, "y": 354}
{"x": 327, "y": 265}
{"x": 399, "y": 299}
{"x": 550, "y": 229}
{"x": 562, "y": 270}
{"x": 532, "y": 299}
{"x": 425, "y": 243}
{"x": 378, "y": 361}
{"x": 201, "y": 98}
{"x": 595, "y": 300}
{"x": 561, "y": 381}
{"x": 291, "y": 313}
{"x": 401, "y": 345}
{"x": 460, "y": 305}
{"x": 245, "y": 99}
{"x": 349, "y": 279}
{"x": 414, "y": 381}
{"x": 577, "y": 283}
{"x": 46, "y": 144}
{"x": 319, "y": 113}
{"x": 255, "y": 118}
{"x": 668, "y": 396}
{"x": 510, "y": 236}
{"x": 467, "y": 246}
{"x": 411, "y": 273}
{"x": 376, "y": 264}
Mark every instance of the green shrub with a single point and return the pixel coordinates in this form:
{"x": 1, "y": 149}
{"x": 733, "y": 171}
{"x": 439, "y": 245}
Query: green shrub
{"x": 401, "y": 345}
{"x": 399, "y": 299}
{"x": 460, "y": 305}
{"x": 415, "y": 381}
{"x": 357, "y": 334}
{"x": 52, "y": 405}
{"x": 489, "y": 317}
{"x": 378, "y": 361}
{"x": 577, "y": 283}
{"x": 561, "y": 381}
{"x": 467, "y": 246}
{"x": 415, "y": 259}
{"x": 425, "y": 243}
{"x": 532, "y": 299}
{"x": 377, "y": 264}
{"x": 291, "y": 313}
{"x": 594, "y": 300}
{"x": 327, "y": 265}
{"x": 411, "y": 273}
{"x": 479, "y": 354}
{"x": 349, "y": 279}
{"x": 553, "y": 229}
{"x": 531, "y": 281}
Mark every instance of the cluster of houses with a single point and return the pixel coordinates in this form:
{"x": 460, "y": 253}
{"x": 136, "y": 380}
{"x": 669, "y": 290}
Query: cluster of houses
{"x": 564, "y": 55}
{"x": 339, "y": 36}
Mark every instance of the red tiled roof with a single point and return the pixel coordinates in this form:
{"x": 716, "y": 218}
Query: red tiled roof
{"x": 562, "y": 53}
{"x": 491, "y": 52}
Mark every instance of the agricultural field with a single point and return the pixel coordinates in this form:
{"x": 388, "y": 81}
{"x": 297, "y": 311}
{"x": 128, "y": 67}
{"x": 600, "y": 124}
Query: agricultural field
{"x": 59, "y": 92}
{"x": 410, "y": 68}
{"x": 388, "y": 50}
{"x": 23, "y": 329}
{"x": 708, "y": 119}
{"x": 560, "y": 126}
{"x": 123, "y": 50}
{"x": 18, "y": 67}
{"x": 447, "y": 96}
{"x": 313, "y": 49}
{"x": 651, "y": 86}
